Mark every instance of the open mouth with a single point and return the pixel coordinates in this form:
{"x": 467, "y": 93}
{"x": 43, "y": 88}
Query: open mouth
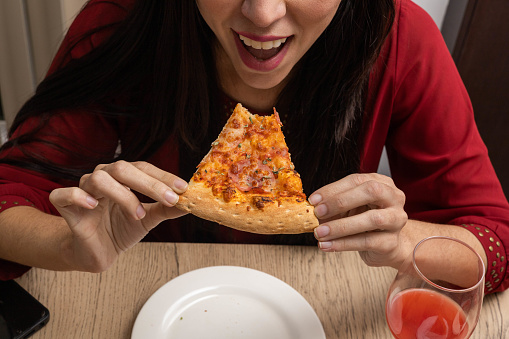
{"x": 264, "y": 54}
{"x": 262, "y": 50}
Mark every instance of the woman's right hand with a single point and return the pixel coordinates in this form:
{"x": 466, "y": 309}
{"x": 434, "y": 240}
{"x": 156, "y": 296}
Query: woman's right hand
{"x": 105, "y": 216}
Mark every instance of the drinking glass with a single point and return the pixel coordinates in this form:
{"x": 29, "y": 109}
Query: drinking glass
{"x": 437, "y": 292}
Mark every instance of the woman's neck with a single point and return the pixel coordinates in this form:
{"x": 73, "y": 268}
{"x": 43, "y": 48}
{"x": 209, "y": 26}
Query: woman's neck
{"x": 258, "y": 100}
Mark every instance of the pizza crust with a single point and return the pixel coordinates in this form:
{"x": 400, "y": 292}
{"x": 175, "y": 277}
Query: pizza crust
{"x": 268, "y": 198}
{"x": 285, "y": 217}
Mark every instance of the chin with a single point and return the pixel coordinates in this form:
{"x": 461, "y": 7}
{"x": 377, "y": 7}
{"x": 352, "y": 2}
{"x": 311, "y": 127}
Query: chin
{"x": 263, "y": 81}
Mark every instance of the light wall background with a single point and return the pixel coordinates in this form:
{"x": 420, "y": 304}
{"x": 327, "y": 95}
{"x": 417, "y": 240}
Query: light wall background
{"x": 69, "y": 10}
{"x": 30, "y": 32}
{"x": 436, "y": 8}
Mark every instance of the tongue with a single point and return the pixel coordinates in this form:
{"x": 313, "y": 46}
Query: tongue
{"x": 263, "y": 54}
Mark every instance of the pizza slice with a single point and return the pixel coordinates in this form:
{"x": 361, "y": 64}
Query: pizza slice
{"x": 247, "y": 181}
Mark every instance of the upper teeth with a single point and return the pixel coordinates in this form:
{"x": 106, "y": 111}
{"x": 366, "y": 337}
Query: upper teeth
{"x": 262, "y": 45}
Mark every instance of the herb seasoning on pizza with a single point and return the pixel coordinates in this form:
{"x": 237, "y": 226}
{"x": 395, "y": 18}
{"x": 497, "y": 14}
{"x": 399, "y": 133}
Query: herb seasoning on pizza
{"x": 247, "y": 181}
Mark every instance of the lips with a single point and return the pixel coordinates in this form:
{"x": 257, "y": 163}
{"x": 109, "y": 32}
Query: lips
{"x": 261, "y": 53}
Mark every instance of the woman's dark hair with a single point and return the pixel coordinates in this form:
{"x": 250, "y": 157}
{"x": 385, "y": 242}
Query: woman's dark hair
{"x": 160, "y": 58}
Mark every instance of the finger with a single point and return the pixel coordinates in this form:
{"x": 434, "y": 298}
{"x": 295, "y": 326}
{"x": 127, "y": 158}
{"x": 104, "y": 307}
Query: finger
{"x": 83, "y": 179}
{"x": 101, "y": 185}
{"x": 349, "y": 182}
{"x": 372, "y": 193}
{"x": 174, "y": 182}
{"x": 379, "y": 242}
{"x": 158, "y": 212}
{"x": 346, "y": 184}
{"x": 391, "y": 220}
{"x": 139, "y": 177}
{"x": 72, "y": 196}
{"x": 69, "y": 202}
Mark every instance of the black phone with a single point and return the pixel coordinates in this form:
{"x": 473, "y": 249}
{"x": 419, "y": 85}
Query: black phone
{"x": 21, "y": 314}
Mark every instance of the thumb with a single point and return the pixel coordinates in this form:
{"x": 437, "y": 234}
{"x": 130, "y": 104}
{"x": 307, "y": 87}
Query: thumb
{"x": 158, "y": 212}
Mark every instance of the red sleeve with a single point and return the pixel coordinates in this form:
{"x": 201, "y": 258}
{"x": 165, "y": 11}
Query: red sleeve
{"x": 435, "y": 152}
{"x": 20, "y": 187}
{"x": 420, "y": 109}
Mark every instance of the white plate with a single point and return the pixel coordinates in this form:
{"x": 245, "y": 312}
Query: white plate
{"x": 227, "y": 302}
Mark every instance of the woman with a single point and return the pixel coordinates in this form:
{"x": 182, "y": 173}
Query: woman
{"x": 139, "y": 89}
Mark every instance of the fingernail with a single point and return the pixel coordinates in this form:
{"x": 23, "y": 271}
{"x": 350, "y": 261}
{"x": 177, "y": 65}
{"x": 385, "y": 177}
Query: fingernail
{"x": 315, "y": 199}
{"x": 322, "y": 231}
{"x": 140, "y": 212}
{"x": 180, "y": 184}
{"x": 325, "y": 245}
{"x": 92, "y": 202}
{"x": 171, "y": 197}
{"x": 321, "y": 210}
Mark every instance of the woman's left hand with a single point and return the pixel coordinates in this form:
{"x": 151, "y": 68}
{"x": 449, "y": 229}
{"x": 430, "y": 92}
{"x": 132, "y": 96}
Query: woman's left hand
{"x": 361, "y": 212}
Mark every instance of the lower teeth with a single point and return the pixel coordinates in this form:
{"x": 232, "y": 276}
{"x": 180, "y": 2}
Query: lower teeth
{"x": 263, "y": 54}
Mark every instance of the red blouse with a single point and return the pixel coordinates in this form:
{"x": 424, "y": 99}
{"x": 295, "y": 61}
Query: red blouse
{"x": 419, "y": 110}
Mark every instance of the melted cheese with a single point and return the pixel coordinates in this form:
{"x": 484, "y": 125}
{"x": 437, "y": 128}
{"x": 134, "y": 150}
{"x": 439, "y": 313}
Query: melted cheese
{"x": 250, "y": 160}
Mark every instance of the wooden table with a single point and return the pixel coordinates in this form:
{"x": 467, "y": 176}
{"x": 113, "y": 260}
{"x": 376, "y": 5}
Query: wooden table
{"x": 347, "y": 295}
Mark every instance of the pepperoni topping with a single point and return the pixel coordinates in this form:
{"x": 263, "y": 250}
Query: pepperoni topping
{"x": 252, "y": 174}
{"x": 250, "y": 160}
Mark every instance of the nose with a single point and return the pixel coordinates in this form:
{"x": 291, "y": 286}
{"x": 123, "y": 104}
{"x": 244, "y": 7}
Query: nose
{"x": 263, "y": 13}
